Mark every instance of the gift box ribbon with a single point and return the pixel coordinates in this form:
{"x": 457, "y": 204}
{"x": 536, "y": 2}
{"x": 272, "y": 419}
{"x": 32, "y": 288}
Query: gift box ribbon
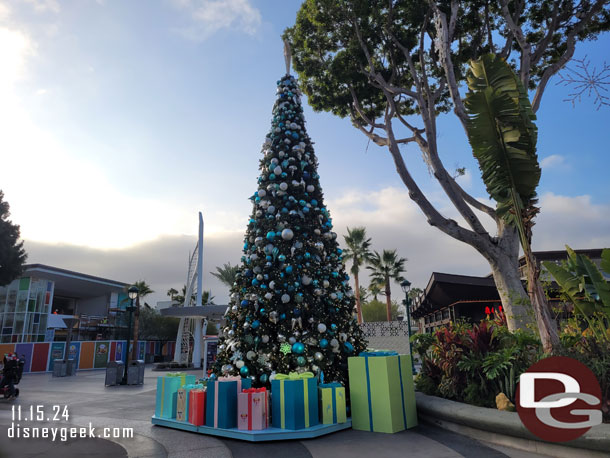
{"x": 254, "y": 390}
{"x": 368, "y": 382}
{"x": 294, "y": 376}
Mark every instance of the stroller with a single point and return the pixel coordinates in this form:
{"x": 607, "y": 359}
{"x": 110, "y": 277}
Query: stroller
{"x": 15, "y": 366}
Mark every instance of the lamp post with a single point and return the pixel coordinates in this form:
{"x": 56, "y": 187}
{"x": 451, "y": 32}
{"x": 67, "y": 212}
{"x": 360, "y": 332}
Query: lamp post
{"x": 132, "y": 292}
{"x": 406, "y": 287}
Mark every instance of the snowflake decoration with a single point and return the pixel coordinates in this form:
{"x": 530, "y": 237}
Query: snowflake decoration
{"x": 236, "y": 356}
{"x": 286, "y": 348}
{"x": 262, "y": 359}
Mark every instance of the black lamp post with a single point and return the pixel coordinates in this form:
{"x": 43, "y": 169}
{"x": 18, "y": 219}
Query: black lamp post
{"x": 406, "y": 287}
{"x": 132, "y": 292}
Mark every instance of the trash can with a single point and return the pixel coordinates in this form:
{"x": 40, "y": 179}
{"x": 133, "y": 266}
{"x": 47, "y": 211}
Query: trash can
{"x": 135, "y": 373}
{"x": 71, "y": 367}
{"x": 59, "y": 368}
{"x": 114, "y": 373}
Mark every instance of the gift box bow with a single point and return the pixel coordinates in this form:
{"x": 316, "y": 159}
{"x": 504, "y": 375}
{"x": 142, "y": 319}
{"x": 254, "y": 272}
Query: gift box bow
{"x": 378, "y": 353}
{"x": 294, "y": 376}
{"x": 330, "y": 385}
{"x": 254, "y": 390}
{"x": 229, "y": 378}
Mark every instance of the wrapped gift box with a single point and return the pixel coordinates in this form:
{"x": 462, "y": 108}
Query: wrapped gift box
{"x": 182, "y": 403}
{"x": 167, "y": 388}
{"x": 221, "y": 401}
{"x": 382, "y": 393}
{"x": 332, "y": 403}
{"x": 294, "y": 401}
{"x": 185, "y": 379}
{"x": 253, "y": 409}
{"x": 196, "y": 407}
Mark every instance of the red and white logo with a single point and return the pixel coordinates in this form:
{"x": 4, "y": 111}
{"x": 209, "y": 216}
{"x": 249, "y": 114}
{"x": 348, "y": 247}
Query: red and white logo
{"x": 559, "y": 399}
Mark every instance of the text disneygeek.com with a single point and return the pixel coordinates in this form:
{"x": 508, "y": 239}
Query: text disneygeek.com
{"x": 63, "y": 433}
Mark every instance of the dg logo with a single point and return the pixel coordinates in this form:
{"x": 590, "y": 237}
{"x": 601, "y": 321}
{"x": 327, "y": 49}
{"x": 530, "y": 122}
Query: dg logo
{"x": 559, "y": 399}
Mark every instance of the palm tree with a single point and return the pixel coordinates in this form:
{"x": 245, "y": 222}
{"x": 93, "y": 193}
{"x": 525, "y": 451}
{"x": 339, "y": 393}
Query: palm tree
{"x": 385, "y": 268}
{"x": 358, "y": 251}
{"x": 375, "y": 289}
{"x": 206, "y": 297}
{"x": 226, "y": 274}
{"x": 172, "y": 293}
{"x": 364, "y": 294}
{"x": 143, "y": 291}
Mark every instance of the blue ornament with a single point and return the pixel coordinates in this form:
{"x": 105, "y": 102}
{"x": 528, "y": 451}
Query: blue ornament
{"x": 254, "y": 282}
{"x": 333, "y": 327}
{"x": 296, "y": 312}
{"x": 263, "y": 378}
{"x": 282, "y": 258}
{"x": 323, "y": 343}
{"x": 288, "y": 269}
{"x": 314, "y": 202}
{"x": 272, "y": 176}
{"x": 244, "y": 371}
{"x": 298, "y": 348}
{"x": 270, "y": 235}
{"x": 349, "y": 348}
{"x": 262, "y": 312}
{"x": 307, "y": 255}
{"x": 283, "y": 316}
{"x": 245, "y": 303}
{"x": 255, "y": 324}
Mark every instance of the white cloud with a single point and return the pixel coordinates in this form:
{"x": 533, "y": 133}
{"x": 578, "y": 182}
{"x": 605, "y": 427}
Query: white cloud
{"x": 554, "y": 160}
{"x": 210, "y": 16}
{"x": 43, "y": 6}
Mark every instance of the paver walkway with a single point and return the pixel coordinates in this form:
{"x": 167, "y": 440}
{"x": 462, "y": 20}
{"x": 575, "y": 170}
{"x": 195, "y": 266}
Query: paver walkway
{"x": 89, "y": 401}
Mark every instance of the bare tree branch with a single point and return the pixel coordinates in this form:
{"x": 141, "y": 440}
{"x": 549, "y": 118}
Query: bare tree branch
{"x": 567, "y": 55}
{"x": 517, "y": 31}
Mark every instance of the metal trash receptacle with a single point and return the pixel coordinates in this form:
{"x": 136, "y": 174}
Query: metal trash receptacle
{"x": 71, "y": 367}
{"x": 59, "y": 368}
{"x": 114, "y": 373}
{"x": 135, "y": 373}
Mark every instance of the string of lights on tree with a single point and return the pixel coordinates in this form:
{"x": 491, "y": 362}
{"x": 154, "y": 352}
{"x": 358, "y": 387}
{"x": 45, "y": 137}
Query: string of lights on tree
{"x": 291, "y": 303}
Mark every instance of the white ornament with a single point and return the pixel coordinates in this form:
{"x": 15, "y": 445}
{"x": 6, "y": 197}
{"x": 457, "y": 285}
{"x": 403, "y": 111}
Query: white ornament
{"x": 287, "y": 234}
{"x": 310, "y": 188}
{"x": 283, "y": 186}
{"x": 271, "y": 209}
{"x": 321, "y": 328}
{"x": 285, "y": 298}
{"x": 239, "y": 364}
{"x": 262, "y": 193}
{"x": 277, "y": 170}
{"x": 305, "y": 280}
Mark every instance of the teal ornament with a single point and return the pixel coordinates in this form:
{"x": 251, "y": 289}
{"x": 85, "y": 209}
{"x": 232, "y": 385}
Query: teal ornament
{"x": 255, "y": 324}
{"x": 263, "y": 378}
{"x": 244, "y": 371}
{"x": 323, "y": 343}
{"x": 270, "y": 235}
{"x": 288, "y": 269}
{"x": 349, "y": 348}
{"x": 298, "y": 348}
{"x": 301, "y": 361}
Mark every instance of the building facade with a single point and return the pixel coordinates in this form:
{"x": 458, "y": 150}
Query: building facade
{"x": 33, "y": 306}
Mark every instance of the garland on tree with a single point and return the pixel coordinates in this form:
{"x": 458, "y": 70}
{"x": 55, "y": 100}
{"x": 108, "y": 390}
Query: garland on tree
{"x": 291, "y": 306}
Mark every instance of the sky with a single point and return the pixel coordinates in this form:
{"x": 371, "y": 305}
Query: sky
{"x": 120, "y": 121}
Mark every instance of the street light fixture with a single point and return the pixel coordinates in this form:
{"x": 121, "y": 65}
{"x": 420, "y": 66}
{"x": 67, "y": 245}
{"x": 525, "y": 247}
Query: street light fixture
{"x": 406, "y": 287}
{"x": 132, "y": 292}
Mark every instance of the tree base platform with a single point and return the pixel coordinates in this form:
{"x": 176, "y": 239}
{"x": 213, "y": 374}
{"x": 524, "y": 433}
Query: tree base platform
{"x": 269, "y": 434}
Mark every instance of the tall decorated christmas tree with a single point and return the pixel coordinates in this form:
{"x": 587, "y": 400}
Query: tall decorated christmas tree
{"x": 291, "y": 305}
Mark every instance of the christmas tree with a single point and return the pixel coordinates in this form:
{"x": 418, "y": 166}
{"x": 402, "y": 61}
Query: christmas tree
{"x": 291, "y": 305}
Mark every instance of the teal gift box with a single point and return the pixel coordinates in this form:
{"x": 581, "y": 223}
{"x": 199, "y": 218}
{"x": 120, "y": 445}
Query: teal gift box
{"x": 382, "y": 393}
{"x": 221, "y": 401}
{"x": 332, "y": 403}
{"x": 294, "y": 401}
{"x": 167, "y": 390}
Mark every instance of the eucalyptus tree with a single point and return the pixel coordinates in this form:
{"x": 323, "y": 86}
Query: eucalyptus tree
{"x": 359, "y": 252}
{"x": 393, "y": 67}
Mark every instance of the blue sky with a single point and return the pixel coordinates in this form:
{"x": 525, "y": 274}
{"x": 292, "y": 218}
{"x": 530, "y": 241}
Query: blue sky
{"x": 124, "y": 119}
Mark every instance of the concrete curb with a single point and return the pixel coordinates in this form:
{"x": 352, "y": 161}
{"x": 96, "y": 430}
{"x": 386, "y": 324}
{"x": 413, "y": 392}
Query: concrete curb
{"x": 452, "y": 415}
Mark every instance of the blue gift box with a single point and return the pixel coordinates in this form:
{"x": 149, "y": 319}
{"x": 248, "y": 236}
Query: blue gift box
{"x": 167, "y": 389}
{"x": 221, "y": 401}
{"x": 294, "y": 401}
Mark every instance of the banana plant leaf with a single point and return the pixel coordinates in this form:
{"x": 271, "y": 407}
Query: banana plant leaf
{"x": 503, "y": 136}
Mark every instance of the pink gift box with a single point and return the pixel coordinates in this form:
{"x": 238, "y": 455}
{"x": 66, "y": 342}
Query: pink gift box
{"x": 253, "y": 409}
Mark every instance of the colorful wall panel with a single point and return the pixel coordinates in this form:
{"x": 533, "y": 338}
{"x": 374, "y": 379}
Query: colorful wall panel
{"x": 86, "y": 355}
{"x": 102, "y": 350}
{"x": 26, "y": 350}
{"x": 74, "y": 352}
{"x": 57, "y": 352}
{"x": 6, "y": 348}
{"x": 40, "y": 358}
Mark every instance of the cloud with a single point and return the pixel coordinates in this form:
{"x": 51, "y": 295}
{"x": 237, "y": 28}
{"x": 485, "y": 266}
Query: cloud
{"x": 552, "y": 161}
{"x": 43, "y": 6}
{"x": 210, "y": 16}
{"x": 392, "y": 220}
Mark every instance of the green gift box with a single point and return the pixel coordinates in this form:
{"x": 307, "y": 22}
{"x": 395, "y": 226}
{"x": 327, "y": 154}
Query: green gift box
{"x": 332, "y": 403}
{"x": 382, "y": 392}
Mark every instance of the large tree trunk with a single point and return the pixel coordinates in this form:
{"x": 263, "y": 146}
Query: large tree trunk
{"x": 388, "y": 299}
{"x": 358, "y": 304}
